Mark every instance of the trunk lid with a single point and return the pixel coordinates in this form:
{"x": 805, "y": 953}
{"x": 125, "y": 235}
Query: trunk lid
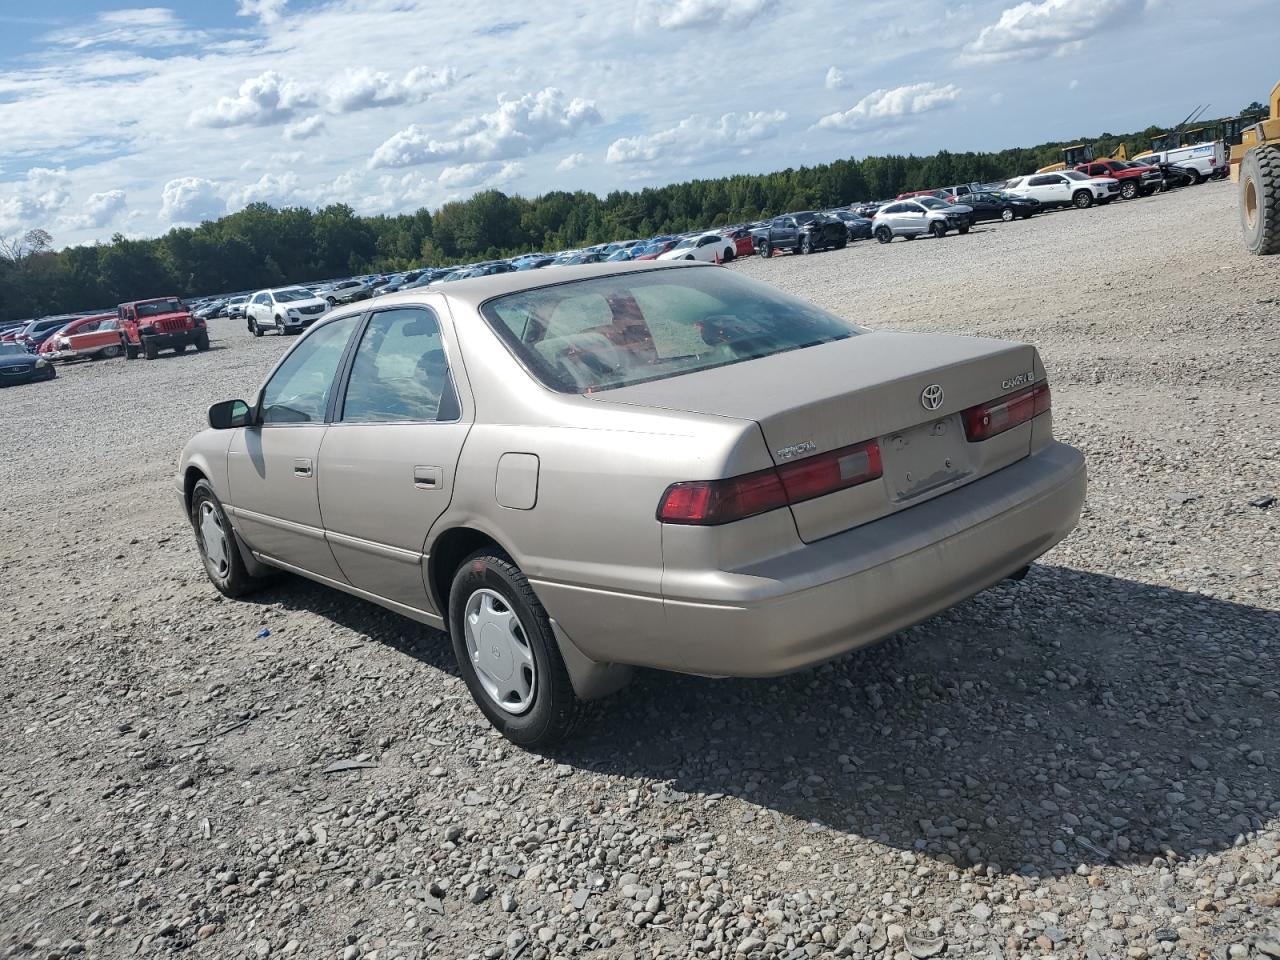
{"x": 869, "y": 387}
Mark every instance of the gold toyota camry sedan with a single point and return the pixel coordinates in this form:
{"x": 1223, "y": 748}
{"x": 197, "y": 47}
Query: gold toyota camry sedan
{"x": 583, "y": 470}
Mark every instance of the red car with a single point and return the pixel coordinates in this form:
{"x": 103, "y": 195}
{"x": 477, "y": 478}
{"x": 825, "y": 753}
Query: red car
{"x": 94, "y": 337}
{"x": 657, "y": 250}
{"x": 742, "y": 242}
{"x": 162, "y": 323}
{"x": 940, "y": 194}
{"x": 1135, "y": 179}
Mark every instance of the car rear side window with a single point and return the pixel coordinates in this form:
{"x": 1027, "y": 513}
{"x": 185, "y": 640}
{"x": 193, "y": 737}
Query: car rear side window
{"x": 634, "y": 327}
{"x": 298, "y": 392}
{"x": 400, "y": 372}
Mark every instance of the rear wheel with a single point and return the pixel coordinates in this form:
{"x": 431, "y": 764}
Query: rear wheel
{"x": 507, "y": 653}
{"x": 938, "y": 229}
{"x": 765, "y": 249}
{"x": 1007, "y": 214}
{"x": 110, "y": 352}
{"x": 884, "y": 234}
{"x": 1260, "y": 200}
{"x": 1082, "y": 200}
{"x": 1128, "y": 190}
{"x": 1197, "y": 177}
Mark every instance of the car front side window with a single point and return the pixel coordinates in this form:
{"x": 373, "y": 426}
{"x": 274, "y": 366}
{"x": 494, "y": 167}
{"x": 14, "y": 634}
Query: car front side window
{"x": 400, "y": 372}
{"x": 299, "y": 390}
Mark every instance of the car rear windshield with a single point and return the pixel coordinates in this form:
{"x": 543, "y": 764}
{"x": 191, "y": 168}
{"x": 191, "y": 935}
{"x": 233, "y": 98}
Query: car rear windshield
{"x": 614, "y": 331}
{"x": 154, "y": 308}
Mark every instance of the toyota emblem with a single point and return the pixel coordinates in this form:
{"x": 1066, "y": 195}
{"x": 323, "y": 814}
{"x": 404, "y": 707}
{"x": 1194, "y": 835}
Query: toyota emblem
{"x": 931, "y": 396}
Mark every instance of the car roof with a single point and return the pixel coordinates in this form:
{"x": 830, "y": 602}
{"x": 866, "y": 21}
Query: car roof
{"x": 474, "y": 291}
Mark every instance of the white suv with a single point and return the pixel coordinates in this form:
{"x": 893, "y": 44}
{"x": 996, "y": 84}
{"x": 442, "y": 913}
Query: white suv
{"x": 1065, "y": 188}
{"x": 287, "y": 310}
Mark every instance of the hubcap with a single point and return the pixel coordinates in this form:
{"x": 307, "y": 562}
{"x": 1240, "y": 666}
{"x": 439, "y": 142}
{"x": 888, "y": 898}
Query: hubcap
{"x": 213, "y": 538}
{"x": 1251, "y": 203}
{"x": 500, "y": 652}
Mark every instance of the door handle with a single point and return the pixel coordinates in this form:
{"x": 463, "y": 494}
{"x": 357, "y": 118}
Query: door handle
{"x": 428, "y": 478}
{"x": 302, "y": 468}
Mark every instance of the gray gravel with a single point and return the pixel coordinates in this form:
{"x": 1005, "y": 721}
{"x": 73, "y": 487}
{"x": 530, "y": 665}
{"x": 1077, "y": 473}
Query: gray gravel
{"x": 1084, "y": 764}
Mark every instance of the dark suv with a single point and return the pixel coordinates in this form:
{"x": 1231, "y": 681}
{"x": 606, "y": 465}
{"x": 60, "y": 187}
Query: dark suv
{"x": 802, "y": 232}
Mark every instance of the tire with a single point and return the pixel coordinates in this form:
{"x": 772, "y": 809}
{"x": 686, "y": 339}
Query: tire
{"x": 149, "y": 349}
{"x": 938, "y": 229}
{"x": 224, "y": 565}
{"x": 51, "y": 373}
{"x": 279, "y": 326}
{"x": 1007, "y": 214}
{"x": 765, "y": 249}
{"x": 491, "y": 597}
{"x": 254, "y": 328}
{"x": 805, "y": 246}
{"x": 110, "y": 352}
{"x": 1260, "y": 200}
{"x": 180, "y": 348}
{"x": 884, "y": 235}
{"x": 689, "y": 257}
{"x": 1082, "y": 200}
{"x": 842, "y": 243}
{"x": 1128, "y": 190}
{"x": 333, "y": 302}
{"x": 202, "y": 342}
{"x": 963, "y": 228}
{"x": 729, "y": 254}
{"x": 131, "y": 351}
{"x": 1197, "y": 177}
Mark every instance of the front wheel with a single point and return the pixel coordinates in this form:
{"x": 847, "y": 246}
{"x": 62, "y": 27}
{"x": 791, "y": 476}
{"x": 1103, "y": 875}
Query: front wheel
{"x": 507, "y": 653}
{"x": 1082, "y": 200}
{"x": 1260, "y": 200}
{"x": 149, "y": 349}
{"x": 842, "y": 243}
{"x": 729, "y": 253}
{"x": 938, "y": 229}
{"x": 217, "y": 544}
{"x": 131, "y": 351}
{"x": 963, "y": 228}
{"x": 805, "y": 246}
{"x": 1007, "y": 214}
{"x": 202, "y": 342}
{"x": 255, "y": 329}
{"x": 1128, "y": 190}
{"x": 50, "y": 373}
{"x": 884, "y": 235}
{"x": 765, "y": 249}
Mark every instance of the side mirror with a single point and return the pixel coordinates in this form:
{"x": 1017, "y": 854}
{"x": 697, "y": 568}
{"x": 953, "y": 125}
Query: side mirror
{"x": 229, "y": 414}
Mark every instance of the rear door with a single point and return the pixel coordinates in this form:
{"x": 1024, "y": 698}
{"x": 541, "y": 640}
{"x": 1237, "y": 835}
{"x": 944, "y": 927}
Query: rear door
{"x": 388, "y": 461}
{"x": 271, "y": 466}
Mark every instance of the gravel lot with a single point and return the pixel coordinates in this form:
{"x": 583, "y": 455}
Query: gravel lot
{"x": 1084, "y": 764}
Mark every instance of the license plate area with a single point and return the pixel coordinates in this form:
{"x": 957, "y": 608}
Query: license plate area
{"x": 924, "y": 458}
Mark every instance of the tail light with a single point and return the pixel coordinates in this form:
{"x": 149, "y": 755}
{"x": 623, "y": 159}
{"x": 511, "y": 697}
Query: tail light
{"x": 986, "y": 420}
{"x": 713, "y": 502}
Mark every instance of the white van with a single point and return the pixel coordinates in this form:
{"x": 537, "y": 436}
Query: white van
{"x": 1203, "y": 159}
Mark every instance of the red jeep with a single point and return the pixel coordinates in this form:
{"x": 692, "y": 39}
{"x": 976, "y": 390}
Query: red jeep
{"x": 1135, "y": 179}
{"x": 162, "y": 324}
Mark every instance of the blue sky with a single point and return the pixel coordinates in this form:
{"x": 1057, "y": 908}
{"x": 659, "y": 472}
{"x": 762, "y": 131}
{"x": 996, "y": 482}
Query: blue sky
{"x": 118, "y": 117}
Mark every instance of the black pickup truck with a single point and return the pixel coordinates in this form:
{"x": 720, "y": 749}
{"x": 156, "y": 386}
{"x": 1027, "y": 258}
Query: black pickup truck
{"x": 802, "y": 232}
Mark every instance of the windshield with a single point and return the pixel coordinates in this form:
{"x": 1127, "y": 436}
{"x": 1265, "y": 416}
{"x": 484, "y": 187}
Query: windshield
{"x": 686, "y": 242}
{"x": 933, "y": 203}
{"x": 12, "y": 350}
{"x": 1074, "y": 175}
{"x": 615, "y": 331}
{"x": 154, "y": 308}
{"x": 292, "y": 294}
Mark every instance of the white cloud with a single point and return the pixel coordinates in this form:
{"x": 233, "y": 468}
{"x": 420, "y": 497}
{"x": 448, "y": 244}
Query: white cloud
{"x": 191, "y": 200}
{"x": 268, "y": 11}
{"x": 698, "y": 137}
{"x": 835, "y": 78}
{"x": 269, "y": 188}
{"x": 517, "y": 128}
{"x": 679, "y": 14}
{"x": 98, "y": 211}
{"x": 1073, "y": 84}
{"x": 362, "y": 88}
{"x": 138, "y": 27}
{"x": 997, "y": 98}
{"x": 492, "y": 174}
{"x": 571, "y": 161}
{"x": 33, "y": 200}
{"x": 305, "y": 128}
{"x": 882, "y": 107}
{"x": 1037, "y": 29}
{"x": 262, "y": 100}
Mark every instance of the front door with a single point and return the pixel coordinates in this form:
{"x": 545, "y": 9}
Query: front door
{"x": 388, "y": 460}
{"x": 271, "y": 466}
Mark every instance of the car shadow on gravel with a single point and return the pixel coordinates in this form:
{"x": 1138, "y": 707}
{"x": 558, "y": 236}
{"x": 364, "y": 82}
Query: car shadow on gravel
{"x": 1071, "y": 718}
{"x": 1074, "y": 718}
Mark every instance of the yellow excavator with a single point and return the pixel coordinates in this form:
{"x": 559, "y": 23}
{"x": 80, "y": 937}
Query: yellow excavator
{"x": 1082, "y": 153}
{"x": 1255, "y": 165}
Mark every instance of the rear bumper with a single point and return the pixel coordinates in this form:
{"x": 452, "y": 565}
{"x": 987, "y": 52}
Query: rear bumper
{"x": 861, "y": 586}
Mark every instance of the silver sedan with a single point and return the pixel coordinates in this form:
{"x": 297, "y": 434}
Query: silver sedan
{"x": 581, "y": 471}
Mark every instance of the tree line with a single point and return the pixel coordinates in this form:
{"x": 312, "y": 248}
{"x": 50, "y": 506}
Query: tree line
{"x": 262, "y": 246}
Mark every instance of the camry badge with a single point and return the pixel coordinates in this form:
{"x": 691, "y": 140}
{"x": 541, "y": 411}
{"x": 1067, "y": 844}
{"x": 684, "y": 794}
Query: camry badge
{"x": 796, "y": 450}
{"x": 931, "y": 396}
